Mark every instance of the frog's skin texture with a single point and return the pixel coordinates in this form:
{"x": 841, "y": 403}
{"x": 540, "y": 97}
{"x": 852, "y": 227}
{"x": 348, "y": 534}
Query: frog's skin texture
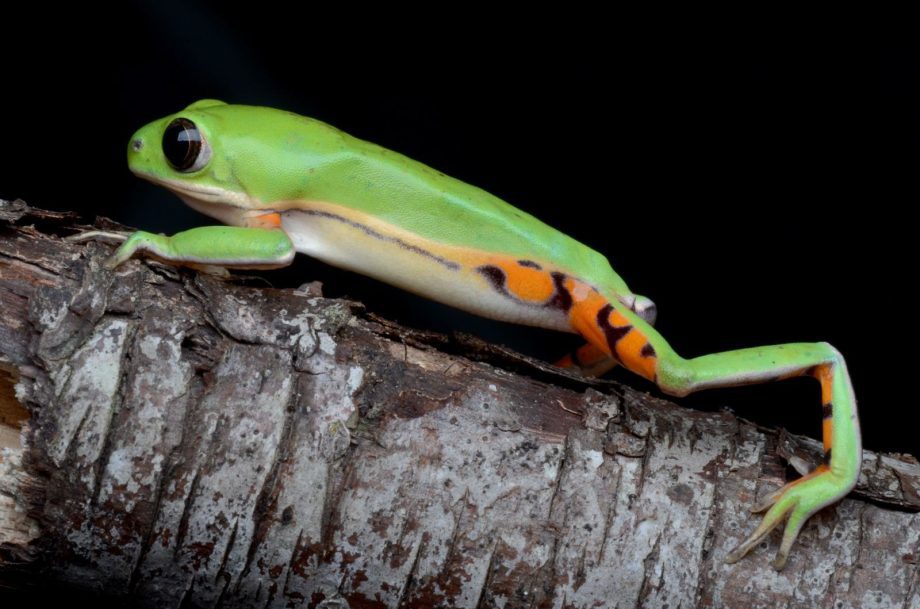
{"x": 286, "y": 183}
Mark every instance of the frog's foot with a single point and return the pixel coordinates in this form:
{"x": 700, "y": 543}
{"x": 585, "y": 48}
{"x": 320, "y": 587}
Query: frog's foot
{"x": 211, "y": 269}
{"x": 99, "y": 235}
{"x": 795, "y": 503}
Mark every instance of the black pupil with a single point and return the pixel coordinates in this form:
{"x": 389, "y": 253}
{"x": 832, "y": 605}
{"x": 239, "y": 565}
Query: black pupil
{"x": 181, "y": 144}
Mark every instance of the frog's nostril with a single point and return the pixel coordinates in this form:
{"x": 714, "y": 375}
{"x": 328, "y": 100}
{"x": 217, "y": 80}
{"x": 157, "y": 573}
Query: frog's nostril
{"x": 137, "y": 145}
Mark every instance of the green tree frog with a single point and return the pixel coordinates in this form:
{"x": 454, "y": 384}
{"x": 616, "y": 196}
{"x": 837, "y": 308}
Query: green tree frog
{"x": 284, "y": 183}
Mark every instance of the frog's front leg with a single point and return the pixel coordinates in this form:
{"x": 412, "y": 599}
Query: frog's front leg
{"x": 615, "y": 330}
{"x": 262, "y": 246}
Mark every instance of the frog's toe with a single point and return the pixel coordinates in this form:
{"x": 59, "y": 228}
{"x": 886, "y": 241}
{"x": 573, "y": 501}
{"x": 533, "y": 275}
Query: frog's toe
{"x": 106, "y": 236}
{"x": 770, "y": 521}
{"x": 795, "y": 503}
{"x": 765, "y": 503}
{"x": 801, "y": 465}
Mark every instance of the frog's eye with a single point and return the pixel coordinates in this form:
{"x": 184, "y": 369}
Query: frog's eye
{"x": 184, "y": 146}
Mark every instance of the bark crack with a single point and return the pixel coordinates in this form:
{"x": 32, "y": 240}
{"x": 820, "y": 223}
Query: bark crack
{"x": 222, "y": 572}
{"x": 648, "y": 563}
{"x": 455, "y": 533}
{"x": 290, "y": 566}
{"x": 860, "y": 541}
{"x": 490, "y": 567}
{"x": 46, "y": 272}
{"x": 409, "y": 583}
{"x": 124, "y": 367}
{"x": 610, "y": 515}
{"x": 560, "y": 473}
{"x": 151, "y": 535}
{"x": 267, "y": 497}
{"x": 908, "y": 595}
{"x": 705, "y": 555}
{"x": 182, "y": 529}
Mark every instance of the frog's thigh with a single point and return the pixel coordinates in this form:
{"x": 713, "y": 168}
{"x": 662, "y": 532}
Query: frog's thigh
{"x": 610, "y": 331}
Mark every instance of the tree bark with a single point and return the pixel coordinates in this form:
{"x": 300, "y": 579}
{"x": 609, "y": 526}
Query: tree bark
{"x": 176, "y": 440}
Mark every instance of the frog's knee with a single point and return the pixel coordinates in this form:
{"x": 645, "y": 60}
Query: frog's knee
{"x": 832, "y": 351}
{"x": 645, "y": 308}
{"x": 674, "y": 376}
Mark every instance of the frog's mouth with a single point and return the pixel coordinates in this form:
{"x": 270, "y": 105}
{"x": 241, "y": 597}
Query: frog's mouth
{"x": 200, "y": 192}
{"x": 228, "y": 206}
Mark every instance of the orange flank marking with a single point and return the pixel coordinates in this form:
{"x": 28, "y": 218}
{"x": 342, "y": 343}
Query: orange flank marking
{"x": 629, "y": 352}
{"x": 825, "y": 375}
{"x": 583, "y": 316}
{"x": 527, "y": 283}
{"x": 827, "y": 432}
{"x": 264, "y": 220}
{"x": 629, "y": 348}
{"x": 617, "y": 320}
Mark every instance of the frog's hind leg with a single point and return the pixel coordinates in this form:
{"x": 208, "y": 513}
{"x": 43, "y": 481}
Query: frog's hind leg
{"x": 622, "y": 334}
{"x": 591, "y": 360}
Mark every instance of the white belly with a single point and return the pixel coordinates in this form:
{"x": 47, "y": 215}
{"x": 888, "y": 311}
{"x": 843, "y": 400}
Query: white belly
{"x": 442, "y": 273}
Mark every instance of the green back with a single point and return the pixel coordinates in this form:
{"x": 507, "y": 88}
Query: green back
{"x": 273, "y": 155}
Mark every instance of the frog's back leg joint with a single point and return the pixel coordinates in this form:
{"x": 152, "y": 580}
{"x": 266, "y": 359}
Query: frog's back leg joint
{"x": 625, "y": 336}
{"x": 831, "y": 480}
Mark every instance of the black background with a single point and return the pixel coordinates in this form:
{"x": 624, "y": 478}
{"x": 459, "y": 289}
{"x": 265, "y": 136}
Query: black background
{"x": 761, "y": 190}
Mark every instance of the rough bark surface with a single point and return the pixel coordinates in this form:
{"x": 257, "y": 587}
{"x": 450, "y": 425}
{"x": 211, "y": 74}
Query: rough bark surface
{"x": 197, "y": 442}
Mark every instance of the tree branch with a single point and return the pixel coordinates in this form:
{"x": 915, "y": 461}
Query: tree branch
{"x": 192, "y": 441}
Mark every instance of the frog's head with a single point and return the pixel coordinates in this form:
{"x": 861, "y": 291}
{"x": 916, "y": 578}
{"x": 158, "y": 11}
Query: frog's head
{"x": 220, "y": 159}
{"x": 179, "y": 153}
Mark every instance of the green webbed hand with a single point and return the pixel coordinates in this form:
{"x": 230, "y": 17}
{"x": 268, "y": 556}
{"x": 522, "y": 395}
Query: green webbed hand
{"x": 226, "y": 246}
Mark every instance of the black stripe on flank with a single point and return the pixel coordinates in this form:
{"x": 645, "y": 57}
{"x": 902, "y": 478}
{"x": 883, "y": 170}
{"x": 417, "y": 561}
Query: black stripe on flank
{"x": 377, "y": 235}
{"x": 530, "y": 263}
{"x": 827, "y": 457}
{"x": 561, "y": 299}
{"x": 827, "y": 410}
{"x": 648, "y": 350}
{"x": 612, "y": 333}
{"x": 495, "y": 275}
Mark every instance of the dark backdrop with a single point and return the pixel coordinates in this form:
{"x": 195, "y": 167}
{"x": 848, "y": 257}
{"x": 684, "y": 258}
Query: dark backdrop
{"x": 760, "y": 191}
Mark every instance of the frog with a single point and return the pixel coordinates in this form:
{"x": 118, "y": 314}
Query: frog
{"x": 281, "y": 183}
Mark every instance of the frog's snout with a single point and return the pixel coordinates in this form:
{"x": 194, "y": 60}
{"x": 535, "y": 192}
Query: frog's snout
{"x": 137, "y": 147}
{"x": 139, "y": 150}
